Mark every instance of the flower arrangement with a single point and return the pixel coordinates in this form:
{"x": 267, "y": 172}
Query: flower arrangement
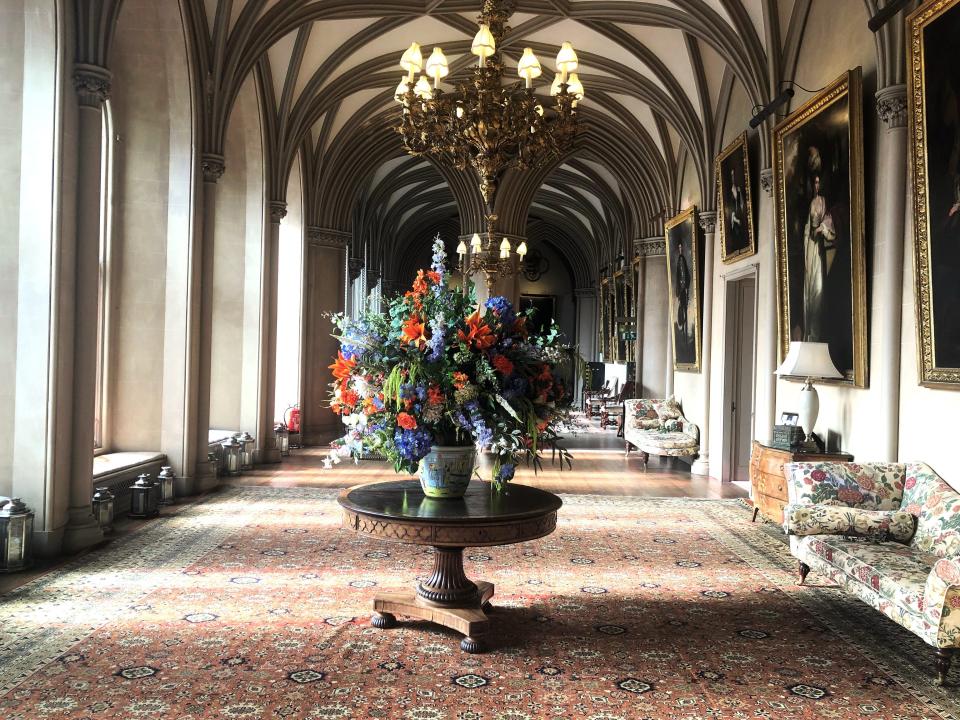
{"x": 439, "y": 370}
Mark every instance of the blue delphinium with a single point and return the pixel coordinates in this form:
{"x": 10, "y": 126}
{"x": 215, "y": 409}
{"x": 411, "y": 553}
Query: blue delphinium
{"x": 481, "y": 432}
{"x": 439, "y": 265}
{"x": 502, "y": 309}
{"x": 516, "y": 386}
{"x": 505, "y": 473}
{"x": 412, "y": 444}
{"x": 437, "y": 343}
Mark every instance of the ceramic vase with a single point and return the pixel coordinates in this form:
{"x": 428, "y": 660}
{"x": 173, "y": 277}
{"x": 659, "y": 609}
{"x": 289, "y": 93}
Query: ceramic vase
{"x": 446, "y": 471}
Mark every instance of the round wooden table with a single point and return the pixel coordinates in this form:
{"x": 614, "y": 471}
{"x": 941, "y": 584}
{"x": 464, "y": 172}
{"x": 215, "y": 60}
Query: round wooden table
{"x": 398, "y": 511}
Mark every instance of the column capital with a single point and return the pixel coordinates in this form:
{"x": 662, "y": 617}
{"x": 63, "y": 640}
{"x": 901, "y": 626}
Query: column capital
{"x": 92, "y": 84}
{"x": 651, "y": 246}
{"x": 585, "y": 292}
{"x": 355, "y": 267}
{"x": 766, "y": 181}
{"x": 373, "y": 277}
{"x": 327, "y": 237}
{"x": 892, "y": 105}
{"x": 278, "y": 210}
{"x": 389, "y": 287}
{"x": 708, "y": 221}
{"x": 212, "y": 166}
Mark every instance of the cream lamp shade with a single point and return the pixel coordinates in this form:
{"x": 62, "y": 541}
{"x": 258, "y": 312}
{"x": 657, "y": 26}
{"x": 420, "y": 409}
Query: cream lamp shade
{"x": 437, "y": 66}
{"x": 412, "y": 60}
{"x": 423, "y": 89}
{"x": 567, "y": 59}
{"x": 529, "y": 67}
{"x": 475, "y": 242}
{"x": 810, "y": 360}
{"x": 484, "y": 45}
{"x": 575, "y": 87}
{"x": 555, "y": 86}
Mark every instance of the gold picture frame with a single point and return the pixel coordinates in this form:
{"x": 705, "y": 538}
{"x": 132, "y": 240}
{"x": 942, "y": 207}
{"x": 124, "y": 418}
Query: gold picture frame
{"x": 821, "y": 259}
{"x": 735, "y": 201}
{"x": 681, "y": 235}
{"x": 931, "y": 35}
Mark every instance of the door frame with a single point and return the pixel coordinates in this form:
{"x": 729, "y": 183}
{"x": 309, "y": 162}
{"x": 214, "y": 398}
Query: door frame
{"x": 729, "y": 339}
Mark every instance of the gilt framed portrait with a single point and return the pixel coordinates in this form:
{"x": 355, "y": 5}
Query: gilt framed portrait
{"x": 821, "y": 263}
{"x": 735, "y": 202}
{"x": 934, "y": 116}
{"x": 684, "y": 260}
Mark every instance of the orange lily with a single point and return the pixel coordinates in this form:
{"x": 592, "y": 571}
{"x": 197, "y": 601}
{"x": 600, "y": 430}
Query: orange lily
{"x": 342, "y": 367}
{"x": 479, "y": 334}
{"x": 413, "y": 332}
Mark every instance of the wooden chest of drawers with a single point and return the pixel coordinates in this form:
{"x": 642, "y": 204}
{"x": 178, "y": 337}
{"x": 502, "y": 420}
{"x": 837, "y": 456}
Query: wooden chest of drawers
{"x": 768, "y": 481}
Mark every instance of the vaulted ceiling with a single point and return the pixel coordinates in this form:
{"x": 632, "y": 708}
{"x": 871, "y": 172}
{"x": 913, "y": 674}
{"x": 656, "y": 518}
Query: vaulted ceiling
{"x": 658, "y": 77}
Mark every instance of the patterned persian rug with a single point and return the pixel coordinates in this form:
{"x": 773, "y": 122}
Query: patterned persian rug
{"x": 254, "y": 604}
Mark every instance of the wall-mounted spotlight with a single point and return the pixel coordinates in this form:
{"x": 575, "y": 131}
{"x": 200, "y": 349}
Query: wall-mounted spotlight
{"x": 768, "y": 109}
{"x": 886, "y": 14}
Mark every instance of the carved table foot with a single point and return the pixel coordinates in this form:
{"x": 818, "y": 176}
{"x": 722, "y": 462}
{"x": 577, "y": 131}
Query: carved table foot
{"x": 447, "y": 598}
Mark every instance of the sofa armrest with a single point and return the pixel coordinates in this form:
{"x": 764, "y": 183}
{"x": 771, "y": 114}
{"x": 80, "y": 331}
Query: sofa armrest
{"x": 941, "y": 600}
{"x": 804, "y": 519}
{"x": 688, "y": 428}
{"x": 870, "y": 486}
{"x": 645, "y": 421}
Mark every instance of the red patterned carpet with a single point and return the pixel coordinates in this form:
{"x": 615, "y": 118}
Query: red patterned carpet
{"x": 254, "y": 604}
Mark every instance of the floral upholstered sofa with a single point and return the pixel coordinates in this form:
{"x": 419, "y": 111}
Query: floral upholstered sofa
{"x": 887, "y": 533}
{"x": 658, "y": 427}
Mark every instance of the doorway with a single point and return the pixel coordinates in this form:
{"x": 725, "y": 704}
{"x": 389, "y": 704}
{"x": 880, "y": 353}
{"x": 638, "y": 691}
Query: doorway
{"x": 738, "y": 387}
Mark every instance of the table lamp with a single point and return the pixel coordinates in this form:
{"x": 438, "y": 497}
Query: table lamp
{"x": 810, "y": 360}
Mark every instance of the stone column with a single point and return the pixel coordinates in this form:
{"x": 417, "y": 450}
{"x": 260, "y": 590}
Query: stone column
{"x": 888, "y": 284}
{"x": 324, "y": 292}
{"x": 768, "y": 353}
{"x": 708, "y": 221}
{"x": 201, "y": 332}
{"x": 267, "y": 450}
{"x": 639, "y": 286}
{"x": 92, "y": 84}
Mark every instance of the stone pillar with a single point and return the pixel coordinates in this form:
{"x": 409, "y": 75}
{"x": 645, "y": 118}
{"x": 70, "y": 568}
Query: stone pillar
{"x": 708, "y": 221}
{"x": 267, "y": 450}
{"x": 92, "y": 84}
{"x": 768, "y": 336}
{"x": 201, "y": 332}
{"x": 639, "y": 286}
{"x": 889, "y": 250}
{"x": 585, "y": 329}
{"x": 324, "y": 292}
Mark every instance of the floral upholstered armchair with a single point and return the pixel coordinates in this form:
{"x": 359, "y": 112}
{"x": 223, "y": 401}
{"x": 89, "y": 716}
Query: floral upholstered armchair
{"x": 908, "y": 567}
{"x": 658, "y": 427}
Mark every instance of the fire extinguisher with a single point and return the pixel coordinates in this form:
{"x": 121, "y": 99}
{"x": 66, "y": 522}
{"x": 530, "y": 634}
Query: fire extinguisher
{"x": 292, "y": 418}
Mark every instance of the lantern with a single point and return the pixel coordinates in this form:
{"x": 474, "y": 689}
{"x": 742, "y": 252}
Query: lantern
{"x": 16, "y": 535}
{"x": 103, "y": 508}
{"x": 166, "y": 477}
{"x": 231, "y": 457}
{"x": 144, "y": 498}
{"x": 292, "y": 420}
{"x": 283, "y": 439}
{"x": 214, "y": 463}
{"x": 247, "y": 445}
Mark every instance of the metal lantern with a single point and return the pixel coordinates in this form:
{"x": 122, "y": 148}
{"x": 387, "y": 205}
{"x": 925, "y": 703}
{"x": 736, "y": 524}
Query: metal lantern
{"x": 231, "y": 457}
{"x": 16, "y": 535}
{"x": 103, "y": 508}
{"x": 166, "y": 478}
{"x": 247, "y": 446}
{"x": 283, "y": 439}
{"x": 214, "y": 463}
{"x": 144, "y": 498}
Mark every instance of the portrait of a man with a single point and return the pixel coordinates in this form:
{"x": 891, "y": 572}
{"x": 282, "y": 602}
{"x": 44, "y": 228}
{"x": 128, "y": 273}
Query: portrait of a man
{"x": 819, "y": 200}
{"x": 683, "y": 263}
{"x": 935, "y": 128}
{"x": 735, "y": 204}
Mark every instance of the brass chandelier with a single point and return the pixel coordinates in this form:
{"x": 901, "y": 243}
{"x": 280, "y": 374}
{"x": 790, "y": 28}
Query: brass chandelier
{"x": 487, "y": 125}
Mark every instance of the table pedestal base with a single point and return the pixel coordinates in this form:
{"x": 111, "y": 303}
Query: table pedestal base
{"x": 447, "y": 598}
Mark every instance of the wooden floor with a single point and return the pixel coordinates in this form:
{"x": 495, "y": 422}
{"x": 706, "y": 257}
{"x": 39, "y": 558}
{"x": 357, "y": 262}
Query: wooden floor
{"x": 599, "y": 468}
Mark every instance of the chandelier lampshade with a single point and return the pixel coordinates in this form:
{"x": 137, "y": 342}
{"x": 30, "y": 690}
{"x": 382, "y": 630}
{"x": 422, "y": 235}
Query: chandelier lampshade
{"x": 529, "y": 67}
{"x": 574, "y": 86}
{"x": 567, "y": 61}
{"x": 412, "y": 60}
{"x": 422, "y": 89}
{"x": 556, "y": 85}
{"x": 475, "y": 242}
{"x": 484, "y": 44}
{"x": 522, "y": 249}
{"x": 402, "y": 89}
{"x": 504, "y": 249}
{"x": 437, "y": 66}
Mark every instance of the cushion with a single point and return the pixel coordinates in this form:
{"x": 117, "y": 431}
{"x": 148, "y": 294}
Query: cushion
{"x": 897, "y": 525}
{"x": 937, "y": 507}
{"x": 894, "y": 571}
{"x": 668, "y": 409}
{"x": 645, "y": 410}
{"x": 875, "y": 486}
{"x": 672, "y": 426}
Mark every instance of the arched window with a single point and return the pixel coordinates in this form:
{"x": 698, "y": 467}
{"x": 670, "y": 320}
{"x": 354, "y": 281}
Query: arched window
{"x": 103, "y": 284}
